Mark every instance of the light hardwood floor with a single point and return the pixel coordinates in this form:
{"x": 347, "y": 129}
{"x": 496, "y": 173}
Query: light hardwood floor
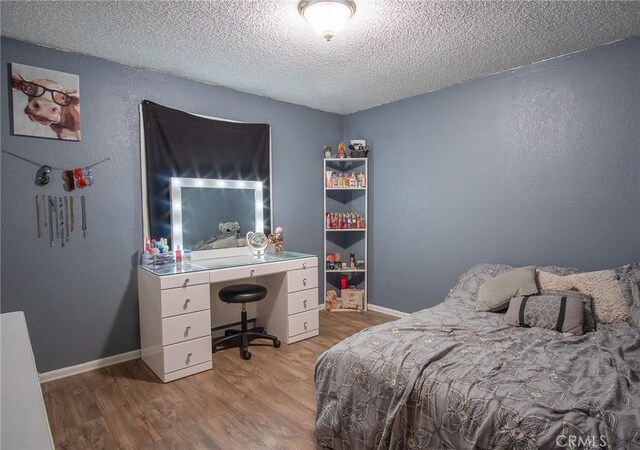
{"x": 267, "y": 402}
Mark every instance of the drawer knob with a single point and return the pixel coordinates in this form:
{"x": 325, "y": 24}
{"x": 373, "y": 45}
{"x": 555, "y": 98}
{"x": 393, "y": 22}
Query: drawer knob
{"x": 304, "y": 303}
{"x": 186, "y": 282}
{"x": 304, "y": 281}
{"x": 253, "y": 272}
{"x": 186, "y": 303}
{"x": 189, "y": 355}
{"x": 186, "y": 331}
{"x": 305, "y": 325}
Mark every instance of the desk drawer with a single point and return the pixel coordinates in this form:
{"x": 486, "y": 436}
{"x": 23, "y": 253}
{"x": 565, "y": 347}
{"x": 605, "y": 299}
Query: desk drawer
{"x": 185, "y": 354}
{"x": 237, "y": 273}
{"x": 303, "y": 322}
{"x": 302, "y": 301}
{"x": 183, "y": 281}
{"x": 185, "y": 300}
{"x": 185, "y": 327}
{"x": 299, "y": 280}
{"x": 306, "y": 263}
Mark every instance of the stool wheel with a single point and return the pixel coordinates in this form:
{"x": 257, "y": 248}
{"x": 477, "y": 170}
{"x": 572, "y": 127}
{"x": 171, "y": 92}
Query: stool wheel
{"x": 245, "y": 355}
{"x": 277, "y": 344}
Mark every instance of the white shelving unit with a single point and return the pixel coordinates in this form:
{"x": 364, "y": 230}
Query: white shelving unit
{"x": 346, "y": 200}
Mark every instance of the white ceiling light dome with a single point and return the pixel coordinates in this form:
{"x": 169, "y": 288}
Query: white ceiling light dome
{"x": 327, "y": 16}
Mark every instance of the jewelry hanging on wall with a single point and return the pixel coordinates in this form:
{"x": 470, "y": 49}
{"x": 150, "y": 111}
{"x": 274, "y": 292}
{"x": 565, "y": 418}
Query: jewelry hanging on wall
{"x": 38, "y": 216}
{"x": 84, "y": 217}
{"x": 73, "y": 212}
{"x": 42, "y": 175}
{"x": 43, "y": 202}
{"x": 66, "y": 217}
{"x": 79, "y": 177}
{"x": 67, "y": 177}
{"x": 61, "y": 211}
{"x": 50, "y": 207}
{"x": 55, "y": 216}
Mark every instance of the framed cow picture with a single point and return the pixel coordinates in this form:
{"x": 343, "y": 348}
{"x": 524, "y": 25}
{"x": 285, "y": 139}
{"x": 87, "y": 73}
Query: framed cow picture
{"x": 46, "y": 103}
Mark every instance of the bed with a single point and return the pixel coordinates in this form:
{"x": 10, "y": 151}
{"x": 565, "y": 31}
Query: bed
{"x": 451, "y": 377}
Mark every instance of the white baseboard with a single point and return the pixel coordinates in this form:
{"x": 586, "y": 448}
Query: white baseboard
{"x": 122, "y": 357}
{"x": 380, "y": 309}
{"x": 388, "y": 311}
{"x": 89, "y": 365}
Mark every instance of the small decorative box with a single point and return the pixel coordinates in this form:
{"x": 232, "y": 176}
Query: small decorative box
{"x": 352, "y": 298}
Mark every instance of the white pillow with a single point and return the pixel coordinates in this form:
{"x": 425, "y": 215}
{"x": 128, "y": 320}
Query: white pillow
{"x": 609, "y": 304}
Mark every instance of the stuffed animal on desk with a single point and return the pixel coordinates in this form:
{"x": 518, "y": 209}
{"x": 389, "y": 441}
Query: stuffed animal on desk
{"x": 227, "y": 238}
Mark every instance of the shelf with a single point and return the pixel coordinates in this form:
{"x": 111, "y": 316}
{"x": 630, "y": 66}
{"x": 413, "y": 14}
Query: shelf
{"x": 350, "y": 240}
{"x": 346, "y": 159}
{"x": 346, "y": 270}
{"x": 346, "y": 189}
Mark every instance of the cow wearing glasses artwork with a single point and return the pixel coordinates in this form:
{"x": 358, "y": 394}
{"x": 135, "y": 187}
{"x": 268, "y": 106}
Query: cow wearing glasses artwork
{"x": 52, "y": 105}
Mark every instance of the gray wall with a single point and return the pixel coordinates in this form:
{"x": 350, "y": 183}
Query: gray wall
{"x": 540, "y": 165}
{"x": 81, "y": 301}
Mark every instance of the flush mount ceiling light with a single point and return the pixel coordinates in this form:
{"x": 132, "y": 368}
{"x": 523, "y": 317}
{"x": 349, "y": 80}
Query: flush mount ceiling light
{"x": 327, "y": 16}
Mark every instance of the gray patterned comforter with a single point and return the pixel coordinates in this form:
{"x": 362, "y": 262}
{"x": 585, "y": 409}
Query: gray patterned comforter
{"x": 451, "y": 377}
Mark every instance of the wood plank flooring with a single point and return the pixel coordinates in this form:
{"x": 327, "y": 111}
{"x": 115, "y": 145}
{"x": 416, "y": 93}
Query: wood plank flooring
{"x": 267, "y": 402}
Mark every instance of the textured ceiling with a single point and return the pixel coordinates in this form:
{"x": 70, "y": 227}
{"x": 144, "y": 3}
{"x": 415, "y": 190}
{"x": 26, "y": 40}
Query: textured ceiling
{"x": 388, "y": 51}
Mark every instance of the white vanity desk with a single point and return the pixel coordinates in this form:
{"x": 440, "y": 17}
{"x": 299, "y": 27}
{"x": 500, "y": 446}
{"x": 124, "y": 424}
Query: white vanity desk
{"x": 179, "y": 305}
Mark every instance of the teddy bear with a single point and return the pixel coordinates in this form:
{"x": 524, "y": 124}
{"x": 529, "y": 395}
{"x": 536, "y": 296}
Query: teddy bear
{"x": 228, "y": 237}
{"x": 332, "y": 301}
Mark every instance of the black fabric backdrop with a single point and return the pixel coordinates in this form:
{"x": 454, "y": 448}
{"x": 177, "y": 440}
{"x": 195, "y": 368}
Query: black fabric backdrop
{"x": 179, "y": 144}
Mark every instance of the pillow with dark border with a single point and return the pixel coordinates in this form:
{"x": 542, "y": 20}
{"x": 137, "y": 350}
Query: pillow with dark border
{"x": 562, "y": 313}
{"x": 589, "y": 322}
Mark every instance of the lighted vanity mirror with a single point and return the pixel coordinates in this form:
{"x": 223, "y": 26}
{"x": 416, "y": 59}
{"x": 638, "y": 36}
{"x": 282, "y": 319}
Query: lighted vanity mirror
{"x": 212, "y": 216}
{"x": 199, "y": 172}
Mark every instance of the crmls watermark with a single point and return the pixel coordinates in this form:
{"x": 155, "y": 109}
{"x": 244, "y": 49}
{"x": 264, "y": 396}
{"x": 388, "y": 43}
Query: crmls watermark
{"x": 573, "y": 441}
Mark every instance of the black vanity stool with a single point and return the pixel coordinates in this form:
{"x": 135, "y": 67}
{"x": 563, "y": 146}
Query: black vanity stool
{"x": 244, "y": 293}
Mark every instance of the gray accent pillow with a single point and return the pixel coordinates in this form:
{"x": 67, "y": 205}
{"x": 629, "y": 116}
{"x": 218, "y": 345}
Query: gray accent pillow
{"x": 467, "y": 287}
{"x": 588, "y": 322}
{"x": 629, "y": 281}
{"x": 635, "y": 308}
{"x": 555, "y": 312}
{"x": 496, "y": 293}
